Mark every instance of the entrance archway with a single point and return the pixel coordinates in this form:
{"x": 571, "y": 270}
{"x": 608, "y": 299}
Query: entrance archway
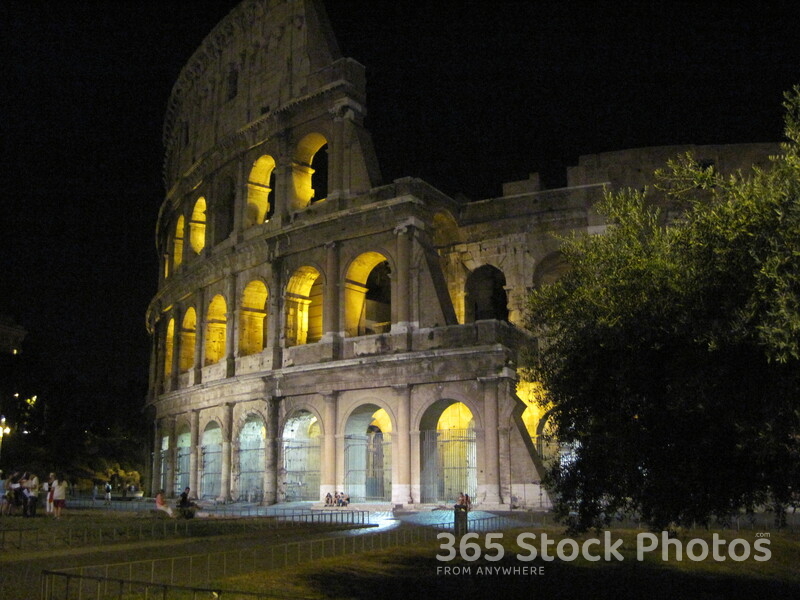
{"x": 252, "y": 459}
{"x": 300, "y": 476}
{"x": 183, "y": 444}
{"x": 211, "y": 447}
{"x": 368, "y": 455}
{"x": 448, "y": 452}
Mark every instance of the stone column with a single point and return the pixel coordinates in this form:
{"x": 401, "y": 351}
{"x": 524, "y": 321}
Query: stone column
{"x": 227, "y": 439}
{"x": 172, "y": 455}
{"x": 177, "y": 344}
{"x": 275, "y": 317}
{"x": 491, "y": 472}
{"x": 271, "y": 448}
{"x": 401, "y": 486}
{"x": 231, "y": 327}
{"x": 402, "y": 314}
{"x": 330, "y": 312}
{"x": 328, "y": 466}
{"x": 336, "y": 160}
{"x": 199, "y": 338}
{"x": 155, "y": 480}
{"x": 194, "y": 451}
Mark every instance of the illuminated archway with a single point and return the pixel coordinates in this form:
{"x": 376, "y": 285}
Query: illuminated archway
{"x": 252, "y": 318}
{"x": 307, "y": 160}
{"x": 259, "y": 187}
{"x": 211, "y": 464}
{"x": 448, "y": 452}
{"x": 368, "y": 295}
{"x": 177, "y": 244}
{"x": 304, "y": 307}
{"x": 197, "y": 226}
{"x": 368, "y": 455}
{"x": 216, "y": 323}
{"x": 188, "y": 336}
{"x": 299, "y": 478}
{"x": 252, "y": 459}
{"x": 183, "y": 443}
{"x": 169, "y": 347}
{"x": 486, "y": 296}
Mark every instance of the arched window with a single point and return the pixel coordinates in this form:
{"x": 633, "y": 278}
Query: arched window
{"x": 259, "y": 187}
{"x": 223, "y": 210}
{"x": 368, "y": 295}
{"x": 252, "y": 318}
{"x": 216, "y": 320}
{"x": 211, "y": 463}
{"x": 169, "y": 348}
{"x": 188, "y": 335}
{"x": 177, "y": 244}
{"x": 197, "y": 226}
{"x": 310, "y": 162}
{"x": 304, "y": 307}
{"x": 486, "y": 295}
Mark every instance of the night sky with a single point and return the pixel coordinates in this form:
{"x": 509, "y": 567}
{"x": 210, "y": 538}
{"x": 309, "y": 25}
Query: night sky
{"x": 465, "y": 96}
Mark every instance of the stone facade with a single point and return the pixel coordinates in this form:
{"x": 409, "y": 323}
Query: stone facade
{"x": 316, "y": 330}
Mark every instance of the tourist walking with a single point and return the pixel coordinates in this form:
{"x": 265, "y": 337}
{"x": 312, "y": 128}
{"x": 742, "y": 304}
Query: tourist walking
{"x": 58, "y": 490}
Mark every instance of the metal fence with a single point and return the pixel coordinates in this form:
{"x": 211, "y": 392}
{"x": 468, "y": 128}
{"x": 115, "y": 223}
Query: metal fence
{"x": 178, "y": 577}
{"x": 161, "y": 528}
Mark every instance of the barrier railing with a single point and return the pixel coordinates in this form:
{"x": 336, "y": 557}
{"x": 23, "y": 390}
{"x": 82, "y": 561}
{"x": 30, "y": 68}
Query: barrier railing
{"x": 63, "y": 535}
{"x": 130, "y": 579}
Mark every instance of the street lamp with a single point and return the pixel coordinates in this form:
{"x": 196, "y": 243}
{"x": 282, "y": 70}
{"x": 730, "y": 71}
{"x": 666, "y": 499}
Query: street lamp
{"x": 4, "y": 429}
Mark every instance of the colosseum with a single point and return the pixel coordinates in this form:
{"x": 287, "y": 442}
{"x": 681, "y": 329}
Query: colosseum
{"x": 316, "y": 329}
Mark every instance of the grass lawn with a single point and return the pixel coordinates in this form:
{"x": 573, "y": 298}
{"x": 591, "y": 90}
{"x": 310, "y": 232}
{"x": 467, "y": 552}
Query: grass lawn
{"x": 413, "y": 571}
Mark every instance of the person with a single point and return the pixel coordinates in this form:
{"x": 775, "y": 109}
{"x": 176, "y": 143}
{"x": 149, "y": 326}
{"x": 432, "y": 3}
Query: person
{"x": 463, "y": 502}
{"x": 58, "y": 494}
{"x": 186, "y": 507}
{"x": 48, "y": 492}
{"x": 30, "y": 484}
{"x": 162, "y": 505}
{"x": 108, "y": 494}
{"x": 328, "y": 499}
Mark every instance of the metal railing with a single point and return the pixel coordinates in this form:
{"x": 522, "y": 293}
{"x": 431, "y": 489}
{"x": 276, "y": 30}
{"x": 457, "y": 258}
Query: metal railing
{"x": 171, "y": 577}
{"x": 58, "y": 535}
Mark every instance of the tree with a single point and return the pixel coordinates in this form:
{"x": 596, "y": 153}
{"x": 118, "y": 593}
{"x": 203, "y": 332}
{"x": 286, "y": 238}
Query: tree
{"x": 671, "y": 354}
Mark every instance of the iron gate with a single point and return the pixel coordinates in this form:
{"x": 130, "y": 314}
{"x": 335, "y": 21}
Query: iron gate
{"x": 449, "y": 464}
{"x": 301, "y": 461}
{"x": 368, "y": 467}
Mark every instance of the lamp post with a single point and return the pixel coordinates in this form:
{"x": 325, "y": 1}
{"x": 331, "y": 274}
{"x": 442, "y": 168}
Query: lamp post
{"x": 4, "y": 429}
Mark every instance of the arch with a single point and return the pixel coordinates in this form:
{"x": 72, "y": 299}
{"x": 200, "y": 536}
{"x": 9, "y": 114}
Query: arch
{"x": 177, "y": 244}
{"x": 216, "y": 324}
{"x": 299, "y": 478}
{"x": 550, "y": 269}
{"x": 259, "y": 208}
{"x": 307, "y": 160}
{"x": 448, "y": 452}
{"x": 252, "y": 458}
{"x": 486, "y": 296}
{"x": 223, "y": 210}
{"x": 445, "y": 230}
{"x": 183, "y": 448}
{"x": 368, "y": 455}
{"x": 304, "y": 298}
{"x": 197, "y": 226}
{"x": 188, "y": 337}
{"x": 211, "y": 463}
{"x": 368, "y": 295}
{"x": 169, "y": 347}
{"x": 252, "y": 318}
